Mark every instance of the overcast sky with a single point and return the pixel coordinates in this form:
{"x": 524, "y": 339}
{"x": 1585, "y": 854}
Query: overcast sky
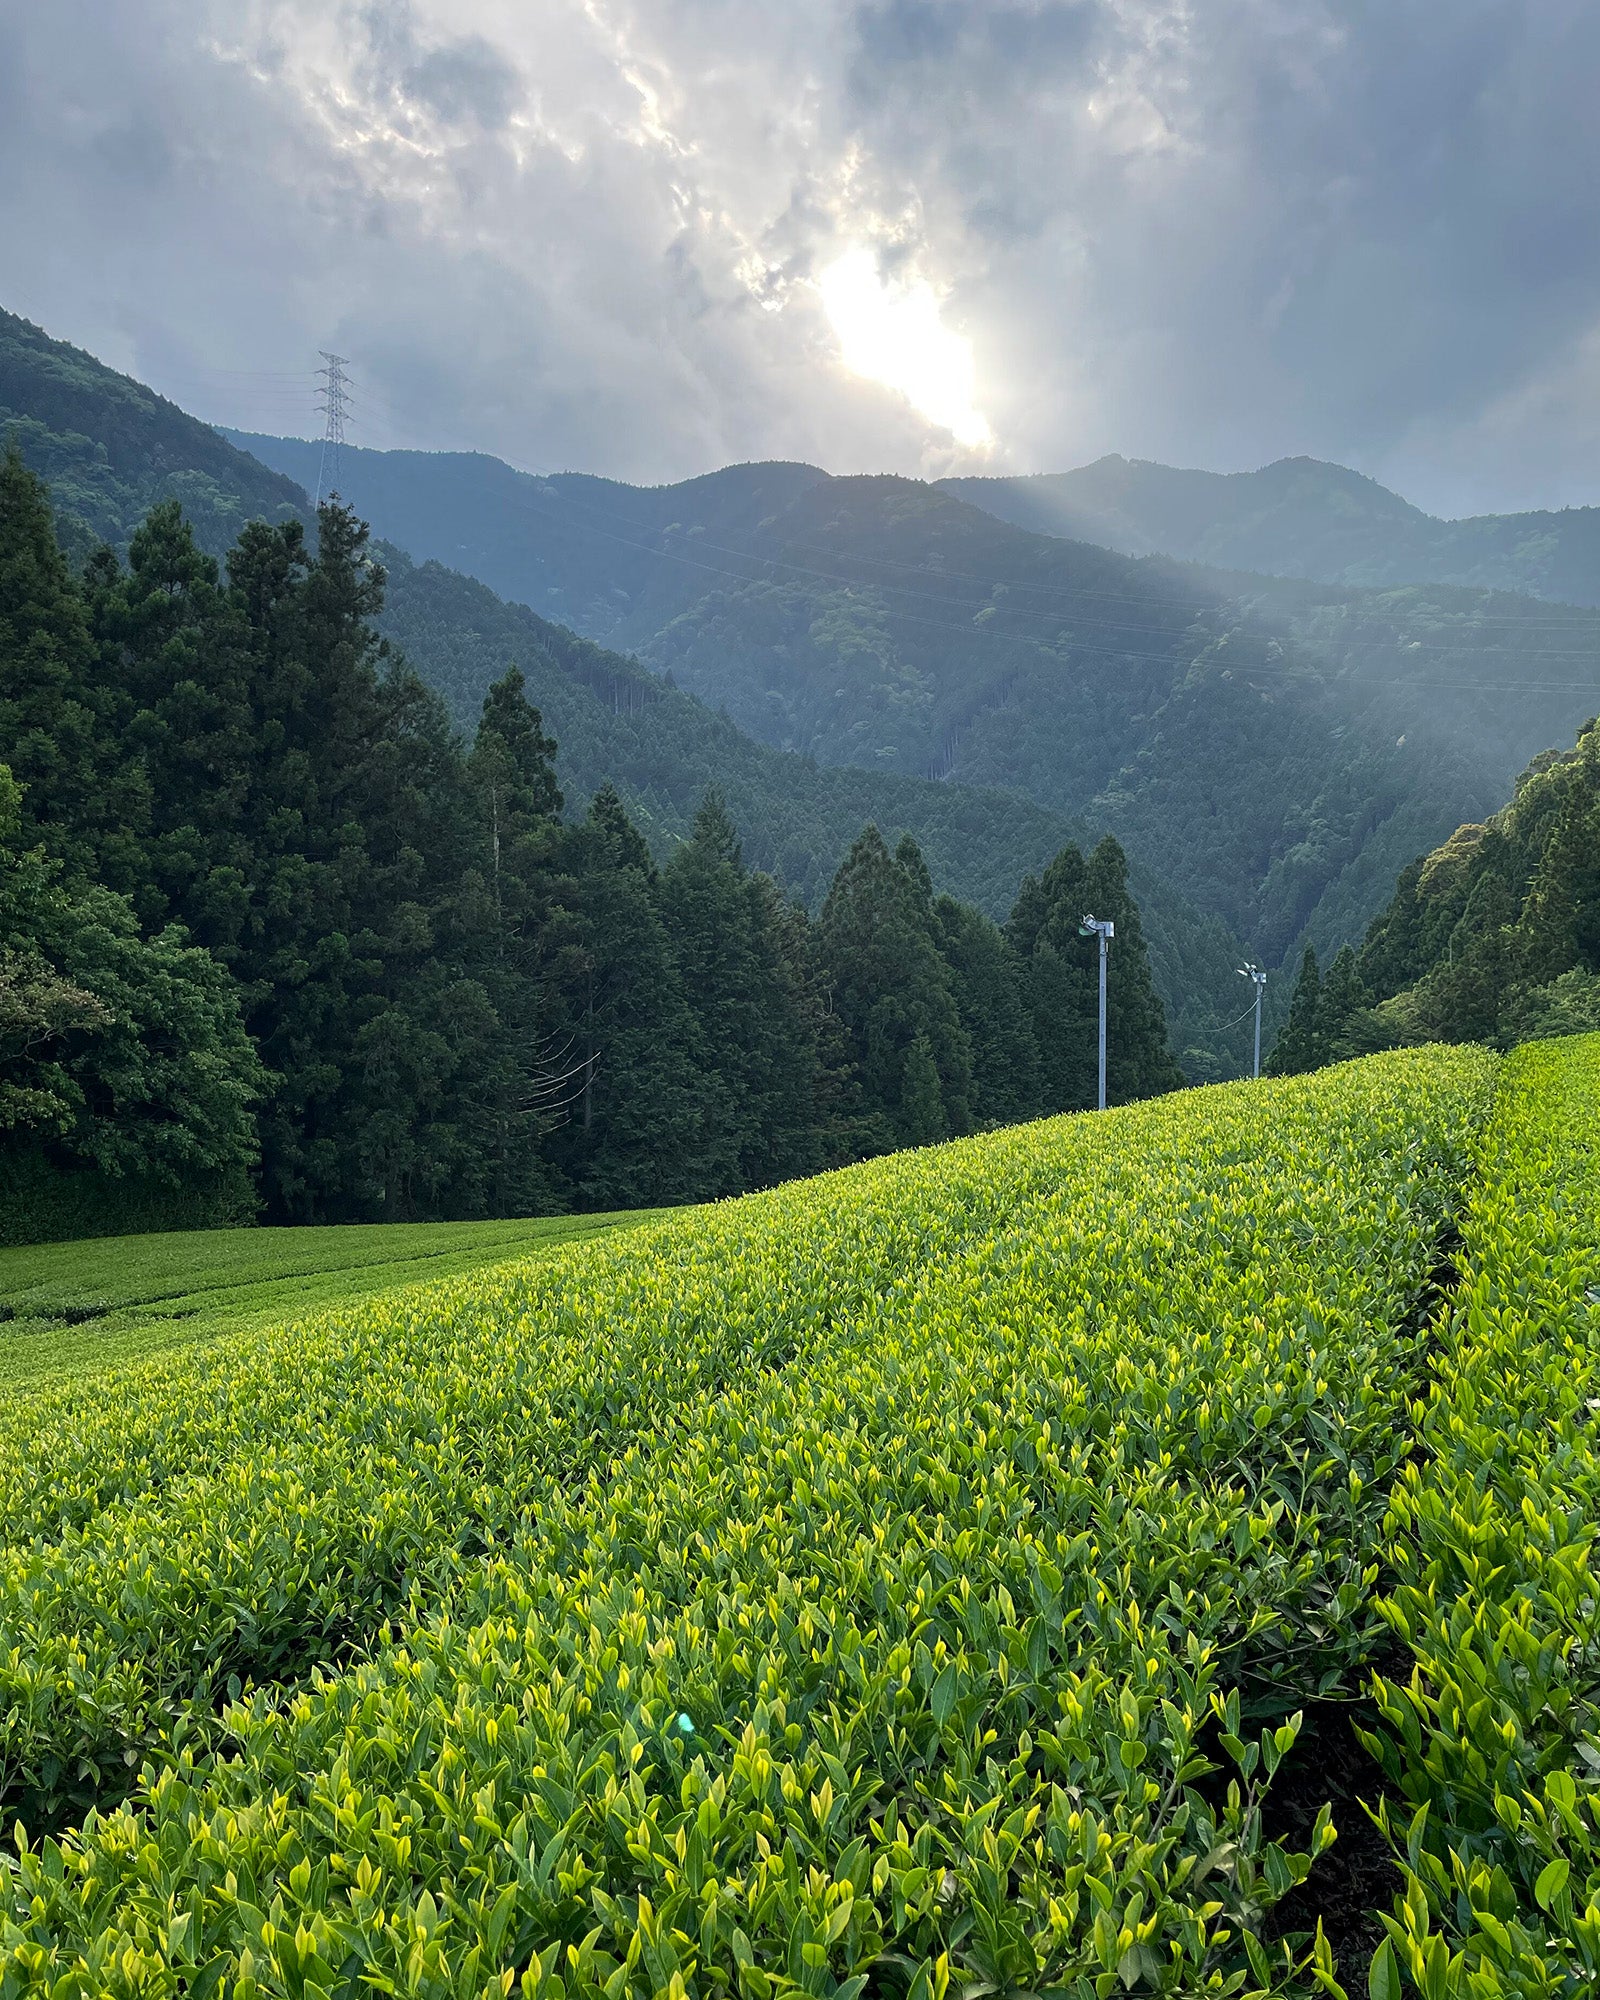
{"x": 648, "y": 237}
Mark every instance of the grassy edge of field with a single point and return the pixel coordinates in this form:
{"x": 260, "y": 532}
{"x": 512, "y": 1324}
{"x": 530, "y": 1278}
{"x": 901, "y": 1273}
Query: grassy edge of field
{"x": 80, "y": 1307}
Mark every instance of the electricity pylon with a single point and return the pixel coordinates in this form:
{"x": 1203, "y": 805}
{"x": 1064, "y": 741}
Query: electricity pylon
{"x": 334, "y": 402}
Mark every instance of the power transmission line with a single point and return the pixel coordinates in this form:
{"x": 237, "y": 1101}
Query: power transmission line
{"x": 1581, "y": 620}
{"x": 1584, "y": 623}
{"x": 334, "y": 402}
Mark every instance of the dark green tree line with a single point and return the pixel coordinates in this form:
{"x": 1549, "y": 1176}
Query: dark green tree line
{"x": 1494, "y": 937}
{"x": 417, "y": 985}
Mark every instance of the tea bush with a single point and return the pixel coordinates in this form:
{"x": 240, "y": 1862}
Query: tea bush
{"x": 1494, "y": 1742}
{"x": 908, "y": 1577}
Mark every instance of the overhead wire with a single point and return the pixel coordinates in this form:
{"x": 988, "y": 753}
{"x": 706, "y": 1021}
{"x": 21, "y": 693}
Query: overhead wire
{"x": 287, "y": 386}
{"x": 1227, "y": 1026}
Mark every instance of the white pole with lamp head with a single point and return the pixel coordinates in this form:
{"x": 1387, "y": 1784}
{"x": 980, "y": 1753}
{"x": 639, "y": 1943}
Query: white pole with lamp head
{"x": 1105, "y": 930}
{"x": 1258, "y": 979}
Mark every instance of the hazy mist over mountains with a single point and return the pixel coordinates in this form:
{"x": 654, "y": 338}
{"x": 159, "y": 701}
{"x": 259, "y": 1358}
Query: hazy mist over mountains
{"x": 819, "y": 303}
{"x": 1275, "y": 750}
{"x": 1295, "y": 518}
{"x": 915, "y": 236}
{"x": 1302, "y": 518}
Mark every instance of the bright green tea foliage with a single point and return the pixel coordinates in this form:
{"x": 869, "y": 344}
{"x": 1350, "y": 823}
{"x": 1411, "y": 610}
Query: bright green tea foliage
{"x": 872, "y": 1580}
{"x": 249, "y": 1514}
{"x": 75, "y": 1308}
{"x": 1495, "y": 1740}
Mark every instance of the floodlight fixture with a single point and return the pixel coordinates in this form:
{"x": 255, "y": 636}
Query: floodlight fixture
{"x": 1258, "y": 979}
{"x": 1105, "y": 930}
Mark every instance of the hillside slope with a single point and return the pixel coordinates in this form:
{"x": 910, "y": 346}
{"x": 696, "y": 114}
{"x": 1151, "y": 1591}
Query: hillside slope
{"x": 615, "y": 721}
{"x": 111, "y": 448}
{"x": 797, "y": 1499}
{"x": 1278, "y": 757}
{"x": 1300, "y": 517}
{"x": 1497, "y": 933}
{"x": 1494, "y": 936}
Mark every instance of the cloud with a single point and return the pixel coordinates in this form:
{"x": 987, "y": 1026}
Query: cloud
{"x": 894, "y": 333}
{"x": 593, "y": 232}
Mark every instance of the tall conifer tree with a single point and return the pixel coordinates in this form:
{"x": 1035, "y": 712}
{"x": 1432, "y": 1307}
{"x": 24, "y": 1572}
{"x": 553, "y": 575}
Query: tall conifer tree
{"x": 987, "y": 980}
{"x": 755, "y": 1042}
{"x": 1062, "y": 983}
{"x": 889, "y": 987}
{"x": 58, "y": 723}
{"x": 635, "y": 1134}
{"x": 1299, "y": 1046}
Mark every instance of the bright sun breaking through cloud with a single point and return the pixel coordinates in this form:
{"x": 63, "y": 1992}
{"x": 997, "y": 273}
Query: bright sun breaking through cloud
{"x": 893, "y": 334}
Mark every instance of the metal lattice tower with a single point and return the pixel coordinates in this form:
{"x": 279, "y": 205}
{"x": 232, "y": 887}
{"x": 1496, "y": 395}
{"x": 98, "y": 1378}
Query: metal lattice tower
{"x": 334, "y": 402}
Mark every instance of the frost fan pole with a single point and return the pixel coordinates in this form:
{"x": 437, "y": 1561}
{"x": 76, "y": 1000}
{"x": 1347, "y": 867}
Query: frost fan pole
{"x": 1258, "y": 979}
{"x": 1105, "y": 930}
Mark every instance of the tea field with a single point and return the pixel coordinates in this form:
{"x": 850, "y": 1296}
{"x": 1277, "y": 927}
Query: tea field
{"x": 71, "y": 1308}
{"x": 936, "y": 1579}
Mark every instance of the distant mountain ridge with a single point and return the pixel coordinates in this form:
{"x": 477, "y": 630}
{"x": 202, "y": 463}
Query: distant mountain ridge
{"x": 1299, "y": 517}
{"x": 1277, "y": 750}
{"x": 111, "y": 448}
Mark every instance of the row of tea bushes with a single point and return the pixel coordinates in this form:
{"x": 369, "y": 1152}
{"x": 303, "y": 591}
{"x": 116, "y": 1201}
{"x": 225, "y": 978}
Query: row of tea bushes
{"x": 925, "y": 1658}
{"x": 1494, "y": 1743}
{"x": 245, "y": 1515}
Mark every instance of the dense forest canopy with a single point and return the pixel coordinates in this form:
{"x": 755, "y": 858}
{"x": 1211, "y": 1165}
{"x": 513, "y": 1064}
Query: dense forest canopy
{"x": 1274, "y": 752}
{"x": 271, "y": 932}
{"x": 1493, "y": 937}
{"x": 617, "y": 722}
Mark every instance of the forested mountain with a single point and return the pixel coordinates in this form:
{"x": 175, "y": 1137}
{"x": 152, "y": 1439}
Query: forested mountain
{"x": 616, "y": 723}
{"x": 1494, "y": 936}
{"x": 271, "y": 933}
{"x": 1300, "y": 517}
{"x": 620, "y": 724}
{"x": 111, "y": 448}
{"x": 1275, "y": 751}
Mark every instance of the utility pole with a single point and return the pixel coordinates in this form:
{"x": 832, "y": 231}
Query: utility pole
{"x": 334, "y": 403}
{"x": 1105, "y": 930}
{"x": 1258, "y": 979}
